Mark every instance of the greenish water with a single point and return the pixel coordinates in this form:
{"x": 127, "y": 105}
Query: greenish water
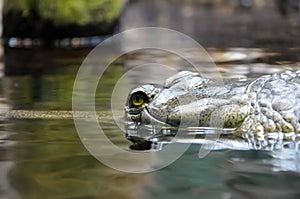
{"x": 44, "y": 158}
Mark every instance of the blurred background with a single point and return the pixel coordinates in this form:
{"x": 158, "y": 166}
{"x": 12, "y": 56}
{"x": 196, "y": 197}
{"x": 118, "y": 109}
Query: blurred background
{"x": 216, "y": 23}
{"x": 43, "y": 45}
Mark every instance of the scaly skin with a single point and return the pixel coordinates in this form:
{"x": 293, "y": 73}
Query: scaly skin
{"x": 267, "y": 104}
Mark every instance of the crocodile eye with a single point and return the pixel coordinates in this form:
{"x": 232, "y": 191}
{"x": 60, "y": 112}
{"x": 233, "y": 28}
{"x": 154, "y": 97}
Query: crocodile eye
{"x": 138, "y": 99}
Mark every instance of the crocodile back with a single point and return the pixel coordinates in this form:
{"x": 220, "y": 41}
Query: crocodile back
{"x": 275, "y": 104}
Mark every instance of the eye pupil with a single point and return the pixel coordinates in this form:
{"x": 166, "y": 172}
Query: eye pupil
{"x": 138, "y": 100}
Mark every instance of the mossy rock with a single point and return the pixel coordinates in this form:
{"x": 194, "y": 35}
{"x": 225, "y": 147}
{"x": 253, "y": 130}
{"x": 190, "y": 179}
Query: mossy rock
{"x": 57, "y": 19}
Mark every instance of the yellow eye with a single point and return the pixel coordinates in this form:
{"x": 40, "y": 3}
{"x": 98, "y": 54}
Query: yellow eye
{"x": 138, "y": 100}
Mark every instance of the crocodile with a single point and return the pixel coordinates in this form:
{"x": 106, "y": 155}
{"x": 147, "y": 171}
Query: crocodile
{"x": 267, "y": 104}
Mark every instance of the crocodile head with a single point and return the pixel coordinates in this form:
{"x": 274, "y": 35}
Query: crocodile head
{"x": 187, "y": 100}
{"x": 259, "y": 108}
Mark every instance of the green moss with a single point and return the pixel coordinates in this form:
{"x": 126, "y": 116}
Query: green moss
{"x": 12, "y": 4}
{"x": 80, "y": 12}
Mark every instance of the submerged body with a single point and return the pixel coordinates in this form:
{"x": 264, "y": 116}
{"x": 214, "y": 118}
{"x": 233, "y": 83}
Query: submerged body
{"x": 267, "y": 104}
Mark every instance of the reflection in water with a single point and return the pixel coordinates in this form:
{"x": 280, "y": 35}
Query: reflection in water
{"x": 45, "y": 158}
{"x": 51, "y": 161}
{"x": 255, "y": 174}
{"x": 225, "y": 174}
{"x": 7, "y": 191}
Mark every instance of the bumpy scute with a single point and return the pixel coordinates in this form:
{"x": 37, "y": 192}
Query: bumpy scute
{"x": 267, "y": 104}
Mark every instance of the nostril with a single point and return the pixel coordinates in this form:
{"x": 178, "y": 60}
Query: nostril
{"x": 135, "y": 117}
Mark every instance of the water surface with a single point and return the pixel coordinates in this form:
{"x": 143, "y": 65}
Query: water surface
{"x": 44, "y": 157}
